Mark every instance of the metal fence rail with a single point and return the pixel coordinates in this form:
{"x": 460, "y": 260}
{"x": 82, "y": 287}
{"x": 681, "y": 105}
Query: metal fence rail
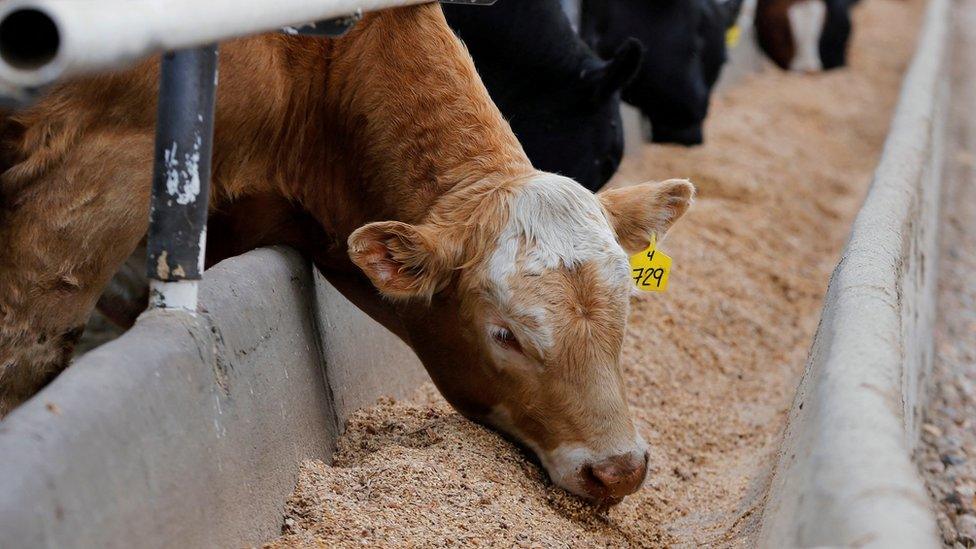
{"x": 44, "y": 40}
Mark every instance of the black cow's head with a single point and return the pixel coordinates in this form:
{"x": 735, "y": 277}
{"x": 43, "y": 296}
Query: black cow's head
{"x": 561, "y": 99}
{"x": 576, "y": 130}
{"x": 804, "y": 35}
{"x": 684, "y": 44}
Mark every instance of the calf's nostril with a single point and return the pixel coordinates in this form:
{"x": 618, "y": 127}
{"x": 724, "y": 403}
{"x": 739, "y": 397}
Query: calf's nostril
{"x": 618, "y": 476}
{"x": 589, "y": 476}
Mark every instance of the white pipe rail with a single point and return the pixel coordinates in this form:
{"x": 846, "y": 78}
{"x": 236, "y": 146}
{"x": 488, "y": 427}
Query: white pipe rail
{"x": 45, "y": 40}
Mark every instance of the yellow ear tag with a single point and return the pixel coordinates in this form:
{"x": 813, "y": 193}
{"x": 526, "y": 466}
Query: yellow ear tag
{"x": 732, "y": 36}
{"x": 649, "y": 269}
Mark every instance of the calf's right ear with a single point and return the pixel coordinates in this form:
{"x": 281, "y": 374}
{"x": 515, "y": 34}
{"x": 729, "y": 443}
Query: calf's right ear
{"x": 403, "y": 261}
{"x": 640, "y": 212}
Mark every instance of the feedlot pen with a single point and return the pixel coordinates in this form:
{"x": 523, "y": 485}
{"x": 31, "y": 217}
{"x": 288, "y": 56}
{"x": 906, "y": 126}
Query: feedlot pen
{"x": 192, "y": 431}
{"x": 711, "y": 367}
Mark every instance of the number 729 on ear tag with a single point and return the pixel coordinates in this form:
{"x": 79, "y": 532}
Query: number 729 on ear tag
{"x": 650, "y": 268}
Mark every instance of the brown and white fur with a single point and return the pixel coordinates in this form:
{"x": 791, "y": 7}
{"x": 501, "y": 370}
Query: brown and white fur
{"x": 381, "y": 157}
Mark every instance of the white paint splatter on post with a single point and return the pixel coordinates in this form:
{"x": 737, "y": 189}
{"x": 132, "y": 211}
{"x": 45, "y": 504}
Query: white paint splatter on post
{"x": 183, "y": 178}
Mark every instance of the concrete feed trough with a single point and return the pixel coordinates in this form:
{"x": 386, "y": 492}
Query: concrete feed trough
{"x": 186, "y": 430}
{"x": 845, "y": 474}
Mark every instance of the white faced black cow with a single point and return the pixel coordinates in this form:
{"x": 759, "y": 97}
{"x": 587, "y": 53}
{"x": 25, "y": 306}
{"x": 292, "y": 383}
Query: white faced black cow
{"x": 804, "y": 35}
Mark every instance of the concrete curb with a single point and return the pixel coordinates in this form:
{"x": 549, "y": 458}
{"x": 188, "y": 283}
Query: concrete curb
{"x": 845, "y": 475}
{"x": 201, "y": 421}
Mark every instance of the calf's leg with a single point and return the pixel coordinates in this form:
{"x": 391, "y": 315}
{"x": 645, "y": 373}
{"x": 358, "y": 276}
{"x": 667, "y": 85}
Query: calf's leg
{"x": 63, "y": 234}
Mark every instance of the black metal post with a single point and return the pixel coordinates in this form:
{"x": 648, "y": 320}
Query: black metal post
{"x": 181, "y": 176}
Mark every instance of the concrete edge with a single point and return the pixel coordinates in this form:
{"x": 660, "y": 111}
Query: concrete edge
{"x": 363, "y": 360}
{"x": 187, "y": 431}
{"x": 845, "y": 475}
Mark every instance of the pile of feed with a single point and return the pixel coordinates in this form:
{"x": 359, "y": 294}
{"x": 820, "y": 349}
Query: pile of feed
{"x": 710, "y": 366}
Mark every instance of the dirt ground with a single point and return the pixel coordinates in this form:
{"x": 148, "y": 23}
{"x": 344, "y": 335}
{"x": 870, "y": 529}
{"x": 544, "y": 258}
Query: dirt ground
{"x": 710, "y": 366}
{"x": 947, "y": 455}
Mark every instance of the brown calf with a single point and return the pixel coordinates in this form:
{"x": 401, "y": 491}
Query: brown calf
{"x": 380, "y": 156}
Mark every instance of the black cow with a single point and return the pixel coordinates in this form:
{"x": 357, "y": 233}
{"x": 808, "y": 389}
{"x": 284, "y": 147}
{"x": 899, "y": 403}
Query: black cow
{"x": 684, "y": 50}
{"x": 804, "y": 35}
{"x": 562, "y": 101}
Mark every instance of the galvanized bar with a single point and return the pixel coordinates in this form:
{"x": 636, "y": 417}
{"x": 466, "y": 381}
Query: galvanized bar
{"x": 42, "y": 41}
{"x": 181, "y": 176}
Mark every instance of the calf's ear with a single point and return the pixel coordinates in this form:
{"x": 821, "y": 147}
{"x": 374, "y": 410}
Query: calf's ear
{"x": 403, "y": 261}
{"x": 639, "y": 212}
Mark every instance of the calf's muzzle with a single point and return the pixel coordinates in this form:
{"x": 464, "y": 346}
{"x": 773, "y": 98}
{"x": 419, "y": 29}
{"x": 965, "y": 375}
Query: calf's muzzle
{"x": 611, "y": 479}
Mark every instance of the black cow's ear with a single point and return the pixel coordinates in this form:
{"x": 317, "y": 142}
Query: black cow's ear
{"x": 618, "y": 71}
{"x": 625, "y": 63}
{"x": 730, "y": 11}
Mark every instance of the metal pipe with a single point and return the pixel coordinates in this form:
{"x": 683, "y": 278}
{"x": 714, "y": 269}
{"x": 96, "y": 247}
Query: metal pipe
{"x": 44, "y": 40}
{"x": 181, "y": 177}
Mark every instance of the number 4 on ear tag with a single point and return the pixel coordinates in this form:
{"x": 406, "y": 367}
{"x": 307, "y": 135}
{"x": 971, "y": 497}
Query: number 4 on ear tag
{"x": 649, "y": 269}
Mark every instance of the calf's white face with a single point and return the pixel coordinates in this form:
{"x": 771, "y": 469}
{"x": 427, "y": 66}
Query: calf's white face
{"x": 522, "y": 310}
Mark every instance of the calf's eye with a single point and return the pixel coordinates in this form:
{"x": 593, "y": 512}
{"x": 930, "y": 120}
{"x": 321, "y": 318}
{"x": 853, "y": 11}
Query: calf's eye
{"x": 505, "y": 338}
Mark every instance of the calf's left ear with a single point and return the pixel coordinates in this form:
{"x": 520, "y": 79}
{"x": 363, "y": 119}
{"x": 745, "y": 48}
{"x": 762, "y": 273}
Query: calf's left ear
{"x": 403, "y": 261}
{"x": 639, "y": 212}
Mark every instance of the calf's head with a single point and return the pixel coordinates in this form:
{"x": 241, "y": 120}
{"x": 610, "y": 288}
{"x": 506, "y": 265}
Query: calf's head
{"x": 516, "y": 299}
